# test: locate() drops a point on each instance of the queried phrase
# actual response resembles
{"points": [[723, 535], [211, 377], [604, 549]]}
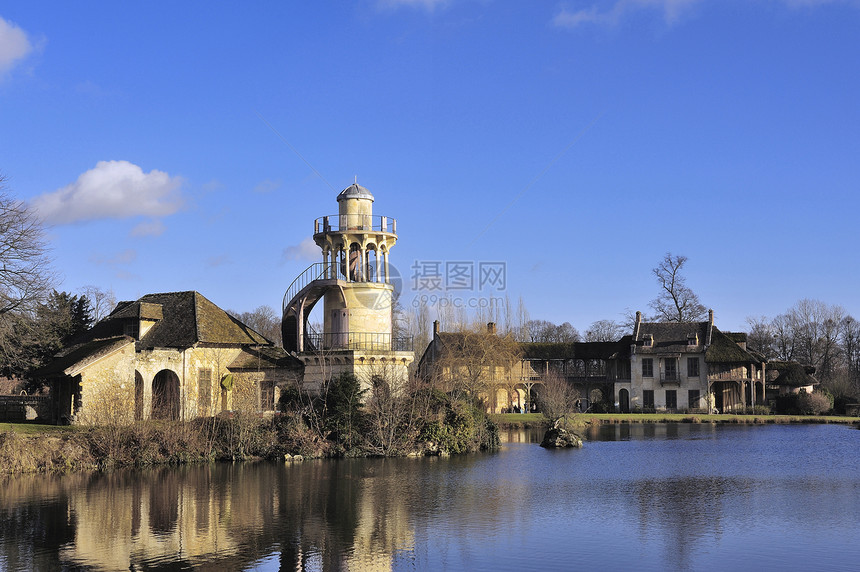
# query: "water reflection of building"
{"points": [[163, 515], [317, 515]]}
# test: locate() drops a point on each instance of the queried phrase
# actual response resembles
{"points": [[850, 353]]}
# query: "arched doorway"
{"points": [[624, 400], [165, 395], [138, 396], [502, 402]]}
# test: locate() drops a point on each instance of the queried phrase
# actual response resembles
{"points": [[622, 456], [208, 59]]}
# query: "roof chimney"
{"points": [[435, 328], [636, 325], [491, 328], [710, 325]]}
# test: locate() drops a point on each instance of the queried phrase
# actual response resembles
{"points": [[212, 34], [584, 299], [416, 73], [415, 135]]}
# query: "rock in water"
{"points": [[559, 438]]}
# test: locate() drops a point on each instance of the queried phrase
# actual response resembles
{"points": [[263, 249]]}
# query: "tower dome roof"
{"points": [[354, 191]]}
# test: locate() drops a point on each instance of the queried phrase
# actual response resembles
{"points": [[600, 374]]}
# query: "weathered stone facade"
{"points": [[171, 356], [661, 366]]}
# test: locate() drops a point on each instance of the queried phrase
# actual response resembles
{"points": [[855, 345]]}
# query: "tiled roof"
{"points": [[264, 357], [74, 358], [190, 318], [182, 319], [578, 350], [792, 374], [137, 310], [671, 337], [724, 349]]}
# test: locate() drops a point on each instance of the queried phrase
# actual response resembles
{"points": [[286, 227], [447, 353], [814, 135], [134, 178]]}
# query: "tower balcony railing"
{"points": [[316, 271], [371, 341], [349, 222]]}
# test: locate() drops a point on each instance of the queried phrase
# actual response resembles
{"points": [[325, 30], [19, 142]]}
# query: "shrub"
{"points": [[814, 403], [461, 427], [804, 403]]}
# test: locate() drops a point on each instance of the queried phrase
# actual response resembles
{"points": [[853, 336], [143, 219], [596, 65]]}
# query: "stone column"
{"points": [[387, 276]]}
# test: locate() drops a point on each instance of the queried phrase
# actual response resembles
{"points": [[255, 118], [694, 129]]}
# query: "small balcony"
{"points": [[355, 222], [366, 341]]}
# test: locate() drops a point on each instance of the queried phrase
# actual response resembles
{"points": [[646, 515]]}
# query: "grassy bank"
{"points": [[25, 448], [519, 420], [34, 429], [535, 419]]}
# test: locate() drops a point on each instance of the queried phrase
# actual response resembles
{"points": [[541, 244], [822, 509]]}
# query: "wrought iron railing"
{"points": [[316, 271], [358, 341], [347, 222]]}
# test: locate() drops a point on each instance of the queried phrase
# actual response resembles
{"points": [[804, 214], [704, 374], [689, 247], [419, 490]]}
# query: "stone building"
{"points": [[358, 293], [169, 356], [478, 363], [661, 366], [692, 367]]}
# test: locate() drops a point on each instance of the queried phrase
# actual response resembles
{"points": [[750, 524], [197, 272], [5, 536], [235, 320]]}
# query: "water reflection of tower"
{"points": [[356, 283]]}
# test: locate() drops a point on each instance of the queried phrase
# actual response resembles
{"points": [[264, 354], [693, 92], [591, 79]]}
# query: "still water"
{"points": [[653, 497]]}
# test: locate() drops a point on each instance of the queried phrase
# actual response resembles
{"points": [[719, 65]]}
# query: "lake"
{"points": [[644, 497]]}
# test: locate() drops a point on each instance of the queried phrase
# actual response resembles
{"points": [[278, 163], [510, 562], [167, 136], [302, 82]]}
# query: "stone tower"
{"points": [[356, 287]]}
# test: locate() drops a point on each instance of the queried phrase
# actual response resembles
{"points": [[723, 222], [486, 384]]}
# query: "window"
{"points": [[693, 400], [692, 339], [671, 368], [647, 367], [204, 392], [131, 328], [692, 367], [671, 399], [648, 340], [267, 395], [648, 399]]}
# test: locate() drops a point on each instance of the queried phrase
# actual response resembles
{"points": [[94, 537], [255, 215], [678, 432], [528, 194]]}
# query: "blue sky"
{"points": [[175, 146]]}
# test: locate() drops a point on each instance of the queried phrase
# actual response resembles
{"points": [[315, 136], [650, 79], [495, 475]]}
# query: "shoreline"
{"points": [[32, 448], [528, 420]]}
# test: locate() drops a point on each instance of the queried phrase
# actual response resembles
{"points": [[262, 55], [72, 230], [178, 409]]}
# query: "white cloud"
{"points": [[148, 228], [813, 3], [267, 186], [567, 19], [428, 5], [125, 257], [216, 261], [113, 189], [212, 186], [671, 10], [14, 45], [305, 250]]}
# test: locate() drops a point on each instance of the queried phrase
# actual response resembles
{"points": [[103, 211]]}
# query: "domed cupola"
{"points": [[354, 191]]}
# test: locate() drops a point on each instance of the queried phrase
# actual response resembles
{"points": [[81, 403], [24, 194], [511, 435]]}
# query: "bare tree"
{"points": [[472, 362], [264, 321], [557, 399], [394, 412], [761, 337], [851, 347], [784, 337], [604, 331], [813, 329], [547, 332], [102, 302], [676, 302], [25, 274]]}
